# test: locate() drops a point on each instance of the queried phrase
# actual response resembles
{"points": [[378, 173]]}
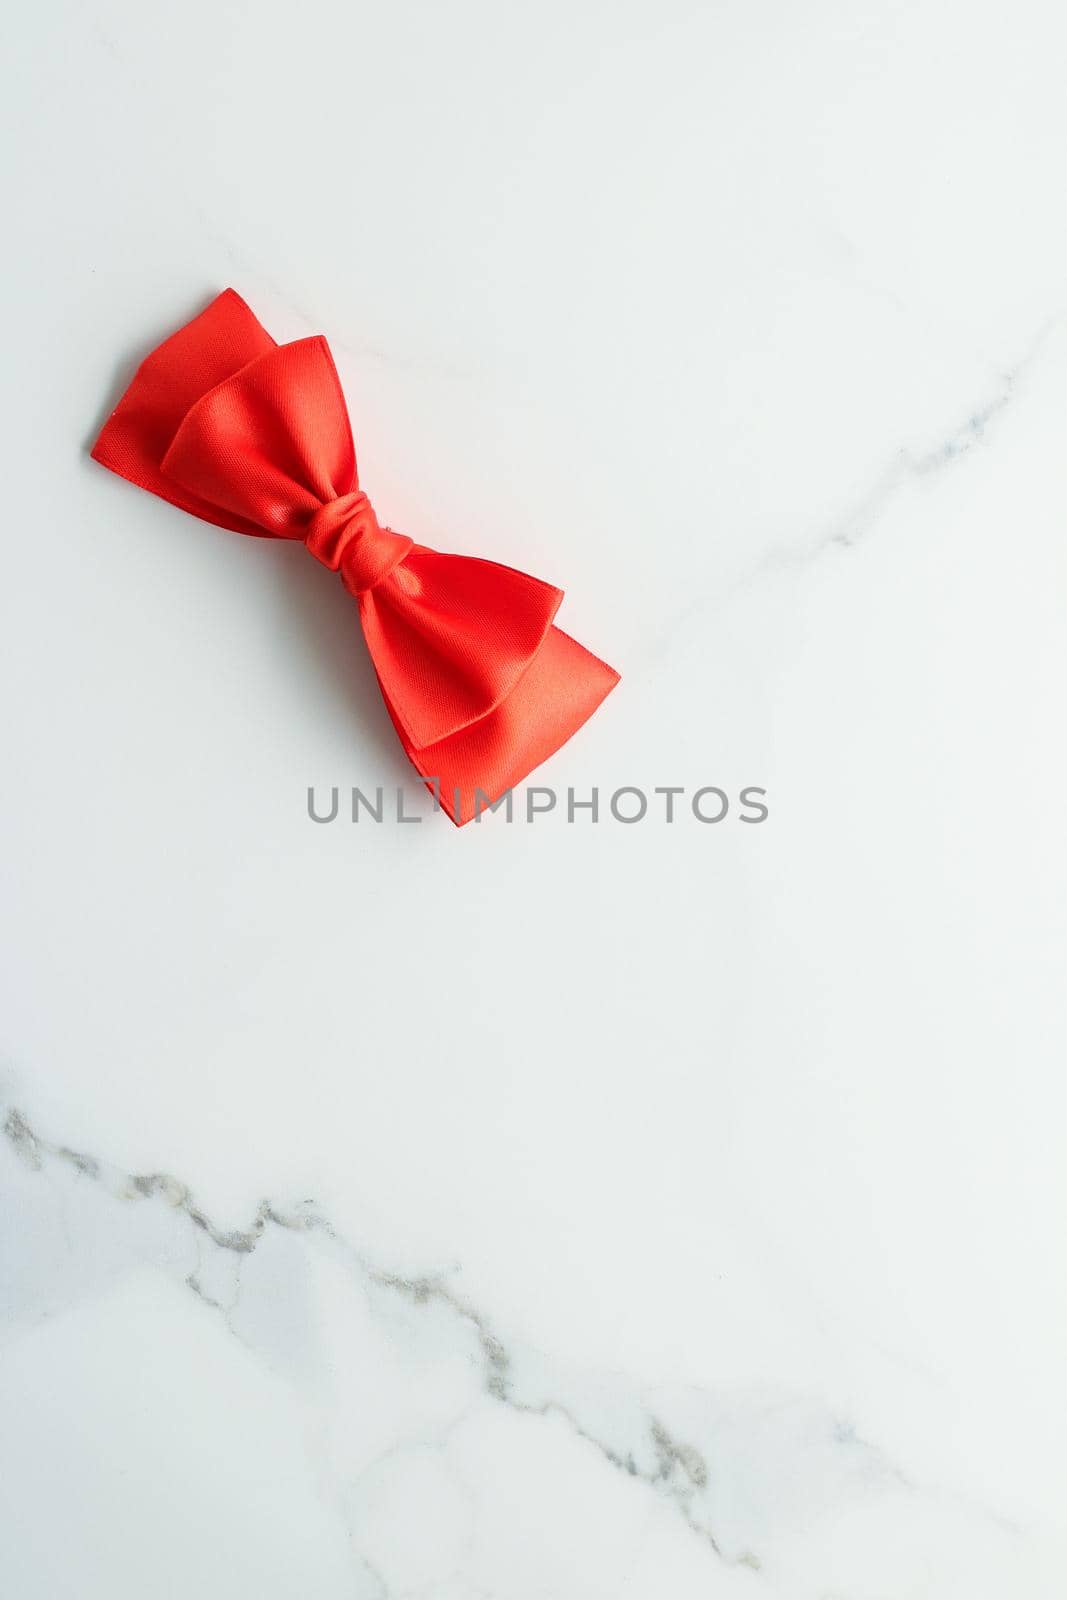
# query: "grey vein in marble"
{"points": [[851, 525], [650, 1450], [683, 1458]]}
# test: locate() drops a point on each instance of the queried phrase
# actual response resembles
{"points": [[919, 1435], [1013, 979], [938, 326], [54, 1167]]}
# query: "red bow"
{"points": [[255, 436]]}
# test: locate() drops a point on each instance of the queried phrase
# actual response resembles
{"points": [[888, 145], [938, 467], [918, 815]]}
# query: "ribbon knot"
{"points": [[479, 682], [346, 536]]}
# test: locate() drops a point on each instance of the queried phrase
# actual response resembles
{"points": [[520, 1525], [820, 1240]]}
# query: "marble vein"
{"points": [[848, 527], [643, 1445], [959, 439]]}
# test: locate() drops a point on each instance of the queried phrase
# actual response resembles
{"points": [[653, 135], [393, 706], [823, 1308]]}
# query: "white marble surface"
{"points": [[545, 1212]]}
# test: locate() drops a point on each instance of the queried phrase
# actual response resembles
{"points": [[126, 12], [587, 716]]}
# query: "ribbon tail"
{"points": [[133, 442], [559, 691]]}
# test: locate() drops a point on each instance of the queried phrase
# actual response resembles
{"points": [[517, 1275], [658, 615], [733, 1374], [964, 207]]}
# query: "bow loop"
{"points": [[450, 637], [272, 443]]}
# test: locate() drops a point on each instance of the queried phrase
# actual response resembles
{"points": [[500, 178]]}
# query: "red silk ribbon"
{"points": [[254, 436]]}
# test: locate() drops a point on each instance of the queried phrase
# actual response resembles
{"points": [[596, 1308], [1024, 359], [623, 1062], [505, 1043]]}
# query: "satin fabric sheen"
{"points": [[254, 436]]}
